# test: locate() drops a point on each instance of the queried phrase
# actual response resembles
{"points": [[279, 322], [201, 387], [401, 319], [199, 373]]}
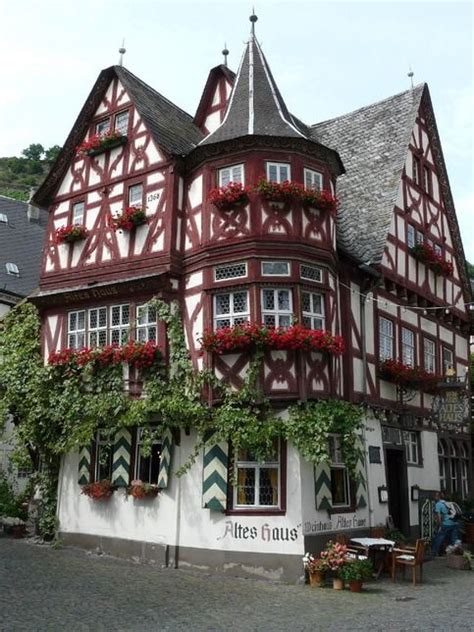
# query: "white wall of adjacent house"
{"points": [[425, 476]]}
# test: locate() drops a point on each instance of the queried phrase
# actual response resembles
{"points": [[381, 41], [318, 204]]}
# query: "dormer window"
{"points": [[313, 180], [121, 123], [235, 173], [278, 171], [102, 126], [12, 269], [3, 218], [78, 213]]}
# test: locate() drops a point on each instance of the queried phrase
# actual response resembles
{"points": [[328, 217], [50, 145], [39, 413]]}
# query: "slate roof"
{"points": [[373, 144], [21, 242], [256, 106]]}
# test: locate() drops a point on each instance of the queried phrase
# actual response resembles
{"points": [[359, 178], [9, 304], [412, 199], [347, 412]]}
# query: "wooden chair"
{"points": [[411, 557]]}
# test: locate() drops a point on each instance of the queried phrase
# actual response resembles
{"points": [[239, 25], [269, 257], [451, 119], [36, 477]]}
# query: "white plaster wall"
{"points": [[376, 472], [426, 477]]}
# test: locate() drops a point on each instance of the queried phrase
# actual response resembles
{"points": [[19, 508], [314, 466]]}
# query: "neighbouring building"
{"points": [[386, 271], [22, 229]]}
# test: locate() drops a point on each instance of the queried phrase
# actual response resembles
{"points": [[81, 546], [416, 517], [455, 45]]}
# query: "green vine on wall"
{"points": [[57, 408]]}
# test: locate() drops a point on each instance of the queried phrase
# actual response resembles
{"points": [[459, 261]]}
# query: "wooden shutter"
{"points": [[360, 478], [84, 465], [214, 480], [121, 458], [322, 486], [165, 459]]}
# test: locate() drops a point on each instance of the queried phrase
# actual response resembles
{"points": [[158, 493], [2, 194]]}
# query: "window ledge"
{"points": [[100, 150], [255, 512]]}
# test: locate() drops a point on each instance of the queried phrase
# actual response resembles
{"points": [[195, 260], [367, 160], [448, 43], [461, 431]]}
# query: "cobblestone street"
{"points": [[66, 589]]}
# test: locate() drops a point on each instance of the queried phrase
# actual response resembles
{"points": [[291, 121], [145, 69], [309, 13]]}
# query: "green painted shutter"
{"points": [[322, 486], [84, 465], [121, 458], [360, 478], [165, 460], [214, 482]]}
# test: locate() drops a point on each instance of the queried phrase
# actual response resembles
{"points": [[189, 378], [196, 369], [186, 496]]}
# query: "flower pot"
{"points": [[355, 585], [316, 579], [458, 562], [338, 583], [18, 531]]}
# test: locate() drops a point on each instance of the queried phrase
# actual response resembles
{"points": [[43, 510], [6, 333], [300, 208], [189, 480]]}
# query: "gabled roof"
{"points": [[171, 127], [206, 98], [21, 243], [373, 143], [255, 106]]}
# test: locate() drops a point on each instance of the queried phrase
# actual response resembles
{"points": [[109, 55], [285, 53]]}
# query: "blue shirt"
{"points": [[442, 511]]}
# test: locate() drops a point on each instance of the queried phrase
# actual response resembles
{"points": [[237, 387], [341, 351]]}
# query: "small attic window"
{"points": [[12, 268], [3, 218]]}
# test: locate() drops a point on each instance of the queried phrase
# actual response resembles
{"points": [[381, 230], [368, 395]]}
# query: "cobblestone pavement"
{"points": [[66, 589]]}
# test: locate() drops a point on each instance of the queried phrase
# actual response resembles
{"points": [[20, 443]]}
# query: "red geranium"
{"points": [[140, 490], [227, 197], [100, 490], [98, 141], [427, 254], [131, 217], [139, 355], [288, 191], [408, 376], [70, 233]]}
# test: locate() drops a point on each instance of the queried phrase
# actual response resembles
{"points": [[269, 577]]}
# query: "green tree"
{"points": [[470, 270], [52, 153], [34, 151]]}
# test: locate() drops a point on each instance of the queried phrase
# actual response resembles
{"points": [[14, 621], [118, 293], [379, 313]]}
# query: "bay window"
{"points": [[234, 173], [278, 171], [231, 308], [313, 310], [146, 323]]}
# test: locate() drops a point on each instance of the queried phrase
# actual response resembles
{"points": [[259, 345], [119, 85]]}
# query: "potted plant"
{"points": [[70, 234], [140, 490], [316, 568], [97, 143], [130, 218], [279, 193], [355, 572], [100, 490], [322, 200], [14, 526], [407, 376], [229, 196], [425, 253], [457, 557], [335, 555]]}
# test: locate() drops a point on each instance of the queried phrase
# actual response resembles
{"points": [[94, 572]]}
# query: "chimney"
{"points": [[33, 211]]}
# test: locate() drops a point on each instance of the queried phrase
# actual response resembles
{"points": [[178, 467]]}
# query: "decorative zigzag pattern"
{"points": [[361, 491], [214, 482], [121, 459], [84, 465], [322, 486], [165, 460]]}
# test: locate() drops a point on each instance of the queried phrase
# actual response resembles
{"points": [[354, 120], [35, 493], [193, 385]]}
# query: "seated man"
{"points": [[447, 526]]}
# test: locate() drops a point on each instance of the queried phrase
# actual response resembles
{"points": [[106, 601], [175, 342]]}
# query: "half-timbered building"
{"points": [[355, 272]]}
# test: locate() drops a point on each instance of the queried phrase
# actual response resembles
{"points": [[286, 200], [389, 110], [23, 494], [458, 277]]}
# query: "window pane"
{"points": [[224, 177], [284, 173], [246, 486], [268, 486], [222, 303], [272, 173], [121, 122], [237, 173], [283, 299], [240, 302], [268, 299], [339, 486], [135, 195], [103, 126], [78, 213]]}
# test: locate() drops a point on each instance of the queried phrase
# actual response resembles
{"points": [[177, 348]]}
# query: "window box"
{"points": [[230, 196], [99, 143], [140, 490], [250, 337], [427, 254], [408, 377], [70, 234], [281, 193], [131, 218], [139, 355], [100, 490], [322, 200]]}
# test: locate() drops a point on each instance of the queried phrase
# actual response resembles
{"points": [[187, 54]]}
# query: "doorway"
{"points": [[397, 489]]}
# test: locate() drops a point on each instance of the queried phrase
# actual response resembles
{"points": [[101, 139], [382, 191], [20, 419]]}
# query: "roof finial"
{"points": [[253, 18], [122, 51], [225, 52], [410, 74]]}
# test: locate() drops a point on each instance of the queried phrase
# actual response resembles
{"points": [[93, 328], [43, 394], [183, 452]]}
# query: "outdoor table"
{"points": [[373, 545]]}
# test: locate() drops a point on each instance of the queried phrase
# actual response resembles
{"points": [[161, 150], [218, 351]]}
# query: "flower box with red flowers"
{"points": [[70, 234], [132, 217], [322, 200], [229, 196], [140, 490], [252, 336], [98, 143], [100, 490], [139, 355], [425, 253], [280, 192], [407, 376]]}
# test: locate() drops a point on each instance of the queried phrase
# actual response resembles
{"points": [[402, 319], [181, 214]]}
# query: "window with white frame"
{"points": [[442, 465], [411, 236], [78, 213], [76, 330], [340, 484], [408, 347], [412, 447], [448, 360], [121, 123], [135, 195], [429, 355], [278, 171], [258, 483], [119, 324], [230, 271], [103, 126], [147, 457], [313, 179], [103, 456], [234, 173], [311, 273], [146, 323], [277, 309], [231, 308], [313, 310], [97, 331], [275, 268], [386, 338]]}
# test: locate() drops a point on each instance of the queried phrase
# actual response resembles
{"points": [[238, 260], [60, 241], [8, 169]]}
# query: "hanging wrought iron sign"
{"points": [[451, 404]]}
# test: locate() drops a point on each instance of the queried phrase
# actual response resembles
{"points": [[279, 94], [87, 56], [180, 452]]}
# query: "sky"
{"points": [[328, 58]]}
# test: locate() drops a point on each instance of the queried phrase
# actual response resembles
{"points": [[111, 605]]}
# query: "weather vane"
{"points": [[122, 50]]}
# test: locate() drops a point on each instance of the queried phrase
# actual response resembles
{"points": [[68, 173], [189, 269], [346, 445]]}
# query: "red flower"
{"points": [[408, 376], [98, 141], [70, 233], [289, 191], [427, 254], [227, 197], [99, 490], [131, 217], [140, 355]]}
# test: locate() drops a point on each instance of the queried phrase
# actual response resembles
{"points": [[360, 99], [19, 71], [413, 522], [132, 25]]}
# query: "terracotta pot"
{"points": [[355, 585], [316, 579], [458, 562], [338, 583]]}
